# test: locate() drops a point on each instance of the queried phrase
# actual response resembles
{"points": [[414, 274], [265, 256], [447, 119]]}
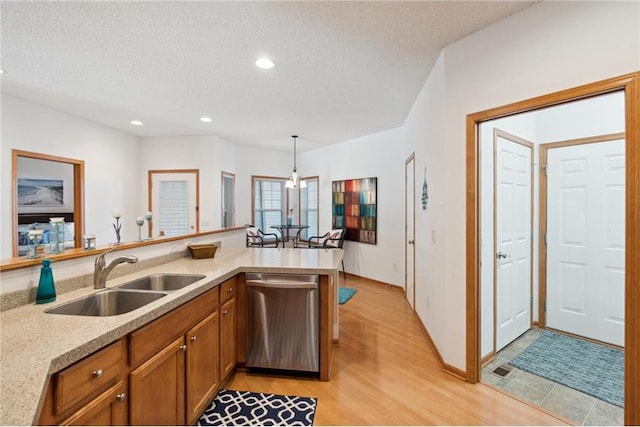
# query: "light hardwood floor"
{"points": [[385, 373]]}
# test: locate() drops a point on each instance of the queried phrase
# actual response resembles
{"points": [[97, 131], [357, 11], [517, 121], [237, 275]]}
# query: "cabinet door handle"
{"points": [[224, 312], [229, 289], [194, 338], [183, 347], [97, 374], [121, 397]]}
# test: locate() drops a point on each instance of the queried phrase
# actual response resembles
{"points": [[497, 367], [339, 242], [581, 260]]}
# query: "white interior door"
{"points": [[410, 271], [174, 203], [228, 199], [513, 237], [585, 240]]}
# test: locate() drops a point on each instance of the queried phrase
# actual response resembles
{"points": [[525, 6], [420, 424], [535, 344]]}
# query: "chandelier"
{"points": [[293, 181]]}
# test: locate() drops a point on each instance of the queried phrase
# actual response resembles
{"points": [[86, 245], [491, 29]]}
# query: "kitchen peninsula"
{"points": [[36, 345]]}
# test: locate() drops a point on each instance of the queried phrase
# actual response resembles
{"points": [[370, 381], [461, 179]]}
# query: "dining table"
{"points": [[284, 232]]}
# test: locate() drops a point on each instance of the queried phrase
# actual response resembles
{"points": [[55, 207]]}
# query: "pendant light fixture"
{"points": [[293, 181]]}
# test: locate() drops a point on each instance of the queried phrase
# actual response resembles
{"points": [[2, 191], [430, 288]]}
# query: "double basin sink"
{"points": [[126, 297]]}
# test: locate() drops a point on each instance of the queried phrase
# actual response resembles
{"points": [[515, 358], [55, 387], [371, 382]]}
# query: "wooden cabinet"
{"points": [[202, 376], [171, 377], [87, 391], [165, 373], [108, 409], [228, 289], [227, 338], [157, 388], [88, 377], [153, 337]]}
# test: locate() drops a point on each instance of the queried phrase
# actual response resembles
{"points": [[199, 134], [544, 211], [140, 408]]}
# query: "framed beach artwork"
{"points": [[36, 192], [354, 206]]}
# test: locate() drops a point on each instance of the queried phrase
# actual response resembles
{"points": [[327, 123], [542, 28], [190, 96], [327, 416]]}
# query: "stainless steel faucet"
{"points": [[101, 270]]}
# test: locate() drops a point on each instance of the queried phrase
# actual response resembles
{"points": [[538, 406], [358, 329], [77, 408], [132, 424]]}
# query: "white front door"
{"points": [[174, 202], [410, 271], [513, 236], [585, 240]]}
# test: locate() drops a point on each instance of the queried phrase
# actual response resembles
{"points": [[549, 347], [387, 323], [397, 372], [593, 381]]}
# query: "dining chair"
{"points": [[332, 239], [258, 238]]}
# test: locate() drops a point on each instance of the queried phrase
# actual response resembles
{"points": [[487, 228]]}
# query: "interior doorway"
{"points": [[582, 223], [228, 199], [513, 236], [174, 201], [409, 220], [630, 85]]}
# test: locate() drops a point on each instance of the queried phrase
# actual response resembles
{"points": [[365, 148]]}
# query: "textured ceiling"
{"points": [[343, 69]]}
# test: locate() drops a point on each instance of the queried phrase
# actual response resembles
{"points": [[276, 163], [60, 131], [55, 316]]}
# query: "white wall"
{"points": [[212, 155], [112, 162], [424, 134], [209, 154], [601, 115], [380, 155], [255, 161], [547, 47]]}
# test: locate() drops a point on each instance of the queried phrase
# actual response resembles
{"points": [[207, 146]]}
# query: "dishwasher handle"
{"points": [[282, 284]]}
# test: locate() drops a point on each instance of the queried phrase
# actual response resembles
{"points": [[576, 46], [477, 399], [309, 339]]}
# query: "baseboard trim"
{"points": [[487, 359], [400, 288], [449, 369]]}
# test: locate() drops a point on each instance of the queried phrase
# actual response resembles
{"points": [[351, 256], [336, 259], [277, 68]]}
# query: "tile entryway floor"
{"points": [[568, 403]]}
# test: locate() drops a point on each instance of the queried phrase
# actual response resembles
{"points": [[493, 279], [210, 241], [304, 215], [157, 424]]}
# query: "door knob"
{"points": [[501, 255]]}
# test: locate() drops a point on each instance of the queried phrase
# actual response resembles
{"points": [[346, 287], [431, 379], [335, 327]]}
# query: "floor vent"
{"points": [[502, 370]]}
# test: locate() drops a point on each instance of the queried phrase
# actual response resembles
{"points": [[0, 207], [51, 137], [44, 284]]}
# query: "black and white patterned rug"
{"points": [[231, 407]]}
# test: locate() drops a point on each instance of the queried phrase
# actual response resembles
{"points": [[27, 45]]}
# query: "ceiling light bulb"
{"points": [[265, 63], [206, 119], [136, 122]]}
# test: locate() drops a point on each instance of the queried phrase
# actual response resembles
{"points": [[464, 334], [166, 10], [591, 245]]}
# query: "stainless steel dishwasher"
{"points": [[283, 321]]}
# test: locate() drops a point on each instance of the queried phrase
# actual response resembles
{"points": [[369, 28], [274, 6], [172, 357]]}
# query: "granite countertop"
{"points": [[34, 344]]}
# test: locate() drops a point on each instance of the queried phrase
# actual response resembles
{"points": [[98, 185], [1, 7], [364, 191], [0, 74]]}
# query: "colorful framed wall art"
{"points": [[354, 206]]}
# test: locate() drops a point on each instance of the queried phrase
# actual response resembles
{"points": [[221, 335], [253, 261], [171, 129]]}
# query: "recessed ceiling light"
{"points": [[206, 119], [136, 122], [1, 71], [265, 63]]}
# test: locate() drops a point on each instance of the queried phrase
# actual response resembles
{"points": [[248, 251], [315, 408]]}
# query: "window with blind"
{"points": [[174, 207], [309, 208], [269, 202]]}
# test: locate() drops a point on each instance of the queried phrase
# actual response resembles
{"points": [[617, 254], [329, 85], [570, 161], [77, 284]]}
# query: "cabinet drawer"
{"points": [[228, 289], [108, 409], [151, 338], [88, 377]]}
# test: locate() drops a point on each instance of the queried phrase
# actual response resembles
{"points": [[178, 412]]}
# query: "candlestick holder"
{"points": [[148, 217], [117, 214], [139, 223]]}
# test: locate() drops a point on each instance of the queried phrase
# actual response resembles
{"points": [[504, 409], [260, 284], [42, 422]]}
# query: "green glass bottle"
{"points": [[46, 288]]}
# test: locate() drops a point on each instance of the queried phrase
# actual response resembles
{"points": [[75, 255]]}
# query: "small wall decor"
{"points": [[425, 191], [355, 207]]}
